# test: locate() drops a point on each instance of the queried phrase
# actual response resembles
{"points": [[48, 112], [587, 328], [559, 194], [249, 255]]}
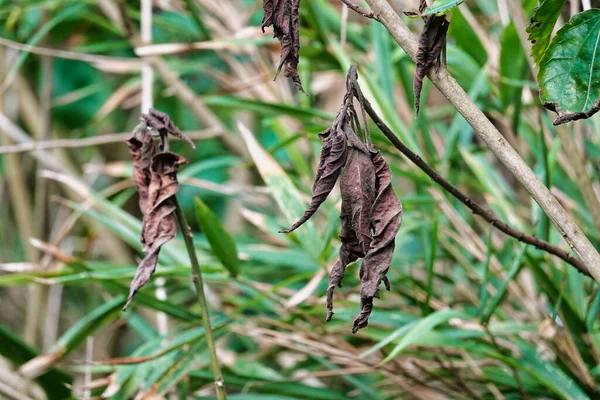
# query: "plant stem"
{"points": [[199, 285]]}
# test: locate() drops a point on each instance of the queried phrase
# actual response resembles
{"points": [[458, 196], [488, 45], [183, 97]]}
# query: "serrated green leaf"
{"points": [[221, 243], [441, 6], [542, 23], [570, 69]]}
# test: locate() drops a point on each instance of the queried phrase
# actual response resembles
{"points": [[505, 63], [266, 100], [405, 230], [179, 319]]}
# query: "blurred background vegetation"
{"points": [[471, 314]]}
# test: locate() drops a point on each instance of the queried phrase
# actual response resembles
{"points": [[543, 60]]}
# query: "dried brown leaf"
{"points": [[159, 220], [333, 157], [357, 185], [141, 146], [161, 122], [431, 52], [386, 217], [371, 213], [283, 16]]}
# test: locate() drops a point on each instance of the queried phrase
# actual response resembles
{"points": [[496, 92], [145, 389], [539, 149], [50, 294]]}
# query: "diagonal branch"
{"points": [[456, 95], [477, 209]]}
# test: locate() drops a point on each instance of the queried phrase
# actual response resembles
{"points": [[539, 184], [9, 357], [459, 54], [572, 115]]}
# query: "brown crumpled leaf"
{"points": [[141, 147], [386, 217], [431, 52], [283, 16], [155, 176], [161, 122], [371, 213]]}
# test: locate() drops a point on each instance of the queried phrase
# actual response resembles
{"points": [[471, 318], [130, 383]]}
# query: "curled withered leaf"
{"points": [[357, 186], [333, 157], [371, 213], [161, 122], [431, 52], [155, 176], [159, 224], [283, 16], [386, 217], [141, 147]]}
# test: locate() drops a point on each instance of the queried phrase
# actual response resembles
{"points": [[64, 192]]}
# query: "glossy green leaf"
{"points": [[441, 6], [221, 243], [542, 23], [570, 69]]}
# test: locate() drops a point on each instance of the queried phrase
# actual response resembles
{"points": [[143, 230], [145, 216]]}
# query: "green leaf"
{"points": [[441, 6], [550, 376], [513, 67], [284, 192], [221, 242], [542, 23], [569, 73], [511, 274], [73, 337], [423, 327]]}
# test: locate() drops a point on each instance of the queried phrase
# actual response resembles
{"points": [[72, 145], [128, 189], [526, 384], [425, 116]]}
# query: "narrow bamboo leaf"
{"points": [[550, 376], [221, 243], [73, 337], [284, 192], [542, 23], [513, 67], [512, 273], [423, 327], [441, 6], [569, 75]]}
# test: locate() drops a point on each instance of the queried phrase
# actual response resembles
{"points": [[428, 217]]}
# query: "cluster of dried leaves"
{"points": [[432, 48], [283, 16], [155, 177], [371, 213]]}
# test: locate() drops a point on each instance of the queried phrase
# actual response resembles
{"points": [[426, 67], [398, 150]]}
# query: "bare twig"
{"points": [[360, 10], [94, 141], [72, 55], [484, 128]]}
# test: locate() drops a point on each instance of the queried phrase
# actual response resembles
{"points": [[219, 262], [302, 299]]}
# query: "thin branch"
{"points": [[71, 55], [360, 10], [93, 141], [477, 209], [484, 128], [199, 285]]}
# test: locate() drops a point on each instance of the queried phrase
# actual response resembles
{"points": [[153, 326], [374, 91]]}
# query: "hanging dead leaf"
{"points": [[283, 16], [141, 147], [385, 218], [431, 53], [371, 213], [159, 224], [333, 157]]}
